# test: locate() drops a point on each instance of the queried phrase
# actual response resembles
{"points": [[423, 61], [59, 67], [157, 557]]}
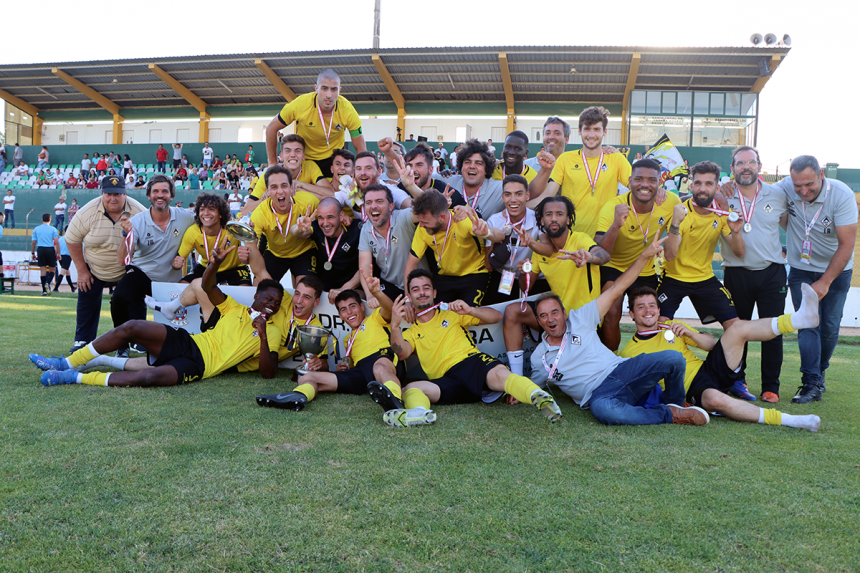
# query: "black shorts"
{"points": [[466, 381], [608, 274], [237, 276], [65, 262], [213, 320], [356, 379], [46, 257], [710, 298], [714, 373], [176, 163], [325, 165], [468, 288], [181, 352], [304, 264]]}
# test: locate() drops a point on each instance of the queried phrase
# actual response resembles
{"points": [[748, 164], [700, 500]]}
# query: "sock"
{"points": [[415, 398], [307, 390], [394, 388], [42, 278], [109, 361], [82, 356], [168, 309], [806, 316], [94, 378], [809, 422], [59, 281], [69, 280], [770, 417], [782, 324], [49, 278], [515, 362], [520, 388]]}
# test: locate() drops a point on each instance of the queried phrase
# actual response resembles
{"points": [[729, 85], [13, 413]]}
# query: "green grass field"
{"points": [[199, 478]]}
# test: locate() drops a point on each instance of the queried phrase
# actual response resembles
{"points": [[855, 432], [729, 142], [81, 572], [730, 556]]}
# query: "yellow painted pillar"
{"points": [[401, 122], [37, 130], [203, 135], [512, 121], [117, 128]]}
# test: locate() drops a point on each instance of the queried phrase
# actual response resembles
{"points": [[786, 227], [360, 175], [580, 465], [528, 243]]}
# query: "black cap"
{"points": [[113, 184]]}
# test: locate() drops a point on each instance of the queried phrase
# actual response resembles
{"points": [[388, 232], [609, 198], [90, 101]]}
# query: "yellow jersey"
{"points": [[699, 235], [276, 227], [192, 240], [632, 238], [575, 286], [657, 343], [570, 173], [310, 173], [372, 336], [442, 342], [233, 339], [304, 111], [461, 254], [528, 173]]}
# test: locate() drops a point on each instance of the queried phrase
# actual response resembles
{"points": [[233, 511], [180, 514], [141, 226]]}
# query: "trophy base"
{"points": [[302, 371]]}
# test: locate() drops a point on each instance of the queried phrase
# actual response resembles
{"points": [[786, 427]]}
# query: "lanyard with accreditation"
{"points": [[806, 247]]}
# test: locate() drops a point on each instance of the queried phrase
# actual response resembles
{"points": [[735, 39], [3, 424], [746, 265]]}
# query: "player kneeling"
{"points": [[177, 357]]}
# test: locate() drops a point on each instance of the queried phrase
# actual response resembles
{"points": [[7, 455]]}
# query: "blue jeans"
{"points": [[42, 163], [59, 222], [161, 165], [817, 344], [614, 401], [10, 218]]}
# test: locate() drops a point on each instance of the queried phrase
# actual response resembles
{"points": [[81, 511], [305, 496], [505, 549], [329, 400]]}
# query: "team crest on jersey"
{"points": [[716, 224], [255, 334], [575, 339], [345, 247], [393, 240], [826, 222], [768, 208], [444, 324], [338, 127], [604, 167], [662, 297], [661, 221], [175, 232]]}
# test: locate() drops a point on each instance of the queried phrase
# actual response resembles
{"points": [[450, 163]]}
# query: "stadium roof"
{"points": [[399, 76]]}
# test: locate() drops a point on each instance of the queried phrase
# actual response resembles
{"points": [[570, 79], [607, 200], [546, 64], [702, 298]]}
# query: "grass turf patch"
{"points": [[199, 478]]}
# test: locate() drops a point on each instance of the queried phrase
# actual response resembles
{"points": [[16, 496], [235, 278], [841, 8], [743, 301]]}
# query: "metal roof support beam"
{"points": [[762, 80], [90, 93], [183, 91], [275, 80], [625, 103], [37, 130], [393, 91], [19, 103], [509, 91]]}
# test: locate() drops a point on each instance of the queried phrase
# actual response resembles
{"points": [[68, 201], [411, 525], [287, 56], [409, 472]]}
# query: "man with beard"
{"points": [[571, 271], [695, 227], [149, 251], [419, 160], [706, 382], [337, 245], [458, 372], [588, 177], [367, 174], [626, 227], [322, 118], [476, 185]]}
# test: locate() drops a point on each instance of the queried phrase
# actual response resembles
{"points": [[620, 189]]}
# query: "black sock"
{"points": [[59, 281], [49, 279], [43, 277], [69, 280]]}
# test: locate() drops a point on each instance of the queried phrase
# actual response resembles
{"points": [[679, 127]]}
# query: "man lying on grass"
{"points": [[177, 357], [707, 382]]}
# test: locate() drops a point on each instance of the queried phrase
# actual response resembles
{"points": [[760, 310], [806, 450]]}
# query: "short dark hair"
{"points": [[548, 296], [46, 217], [704, 167], [520, 134], [211, 200], [515, 179], [592, 115], [804, 162], [293, 138], [638, 293], [267, 284], [364, 154], [556, 119], [380, 187], [746, 148], [275, 169], [571, 211], [161, 178], [346, 295], [421, 148], [432, 202], [345, 153], [472, 147], [647, 164], [418, 273], [312, 282]]}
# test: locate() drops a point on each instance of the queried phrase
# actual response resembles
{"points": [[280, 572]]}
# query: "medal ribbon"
{"points": [[206, 245], [549, 370], [431, 309], [817, 213], [650, 332], [129, 243], [322, 123], [445, 242], [331, 252], [593, 182], [474, 202], [351, 340], [650, 218], [526, 292], [713, 209], [748, 215], [278, 221]]}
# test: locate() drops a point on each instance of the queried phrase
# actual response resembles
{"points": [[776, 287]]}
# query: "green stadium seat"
{"points": [[150, 166]]}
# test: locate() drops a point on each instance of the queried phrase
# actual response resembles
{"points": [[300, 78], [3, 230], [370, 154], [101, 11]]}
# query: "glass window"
{"points": [[685, 102], [13, 114], [717, 103], [646, 130], [748, 105], [702, 102], [668, 102], [653, 104], [733, 104], [26, 119], [637, 102]]}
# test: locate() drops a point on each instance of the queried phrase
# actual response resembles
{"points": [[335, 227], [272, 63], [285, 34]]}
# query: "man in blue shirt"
{"points": [[46, 240], [63, 267]]}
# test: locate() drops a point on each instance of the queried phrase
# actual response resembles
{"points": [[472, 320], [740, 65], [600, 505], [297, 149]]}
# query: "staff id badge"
{"points": [[806, 252], [507, 282]]}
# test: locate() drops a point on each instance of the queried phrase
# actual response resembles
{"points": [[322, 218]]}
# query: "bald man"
{"points": [[336, 236]]}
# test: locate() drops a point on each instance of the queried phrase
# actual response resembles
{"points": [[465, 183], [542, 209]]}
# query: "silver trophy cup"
{"points": [[241, 229], [312, 340]]}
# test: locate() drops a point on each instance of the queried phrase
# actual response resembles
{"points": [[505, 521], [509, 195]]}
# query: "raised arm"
{"points": [[539, 183], [673, 242], [398, 344], [550, 191], [210, 280], [628, 277]]}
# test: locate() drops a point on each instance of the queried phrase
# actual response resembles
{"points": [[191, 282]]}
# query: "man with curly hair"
{"points": [[475, 183]]}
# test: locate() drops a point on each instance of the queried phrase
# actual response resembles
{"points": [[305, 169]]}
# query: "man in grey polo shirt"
{"points": [[475, 184], [556, 134], [385, 242], [822, 228], [758, 278], [149, 251]]}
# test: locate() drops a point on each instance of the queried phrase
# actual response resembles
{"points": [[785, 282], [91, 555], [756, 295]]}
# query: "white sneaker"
{"points": [[544, 402], [403, 418]]}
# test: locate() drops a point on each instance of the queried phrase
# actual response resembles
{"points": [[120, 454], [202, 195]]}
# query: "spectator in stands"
{"points": [[9, 207], [250, 155], [140, 183], [234, 200], [181, 173], [17, 157], [86, 164], [236, 161], [43, 157], [127, 166], [193, 179], [207, 155], [22, 171], [161, 158], [491, 148], [411, 137], [73, 210], [71, 183], [184, 161], [2, 158], [60, 215], [92, 182], [203, 172], [217, 164], [101, 164], [222, 181], [129, 181], [42, 179], [177, 154], [637, 158]]}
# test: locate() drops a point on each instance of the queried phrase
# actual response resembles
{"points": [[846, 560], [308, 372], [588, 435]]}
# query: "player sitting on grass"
{"points": [[368, 366], [176, 356], [458, 372], [707, 382]]}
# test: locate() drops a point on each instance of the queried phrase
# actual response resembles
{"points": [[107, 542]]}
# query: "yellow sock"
{"points": [[784, 324], [413, 397], [520, 388], [82, 356], [394, 388], [773, 417], [307, 390], [94, 378]]}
